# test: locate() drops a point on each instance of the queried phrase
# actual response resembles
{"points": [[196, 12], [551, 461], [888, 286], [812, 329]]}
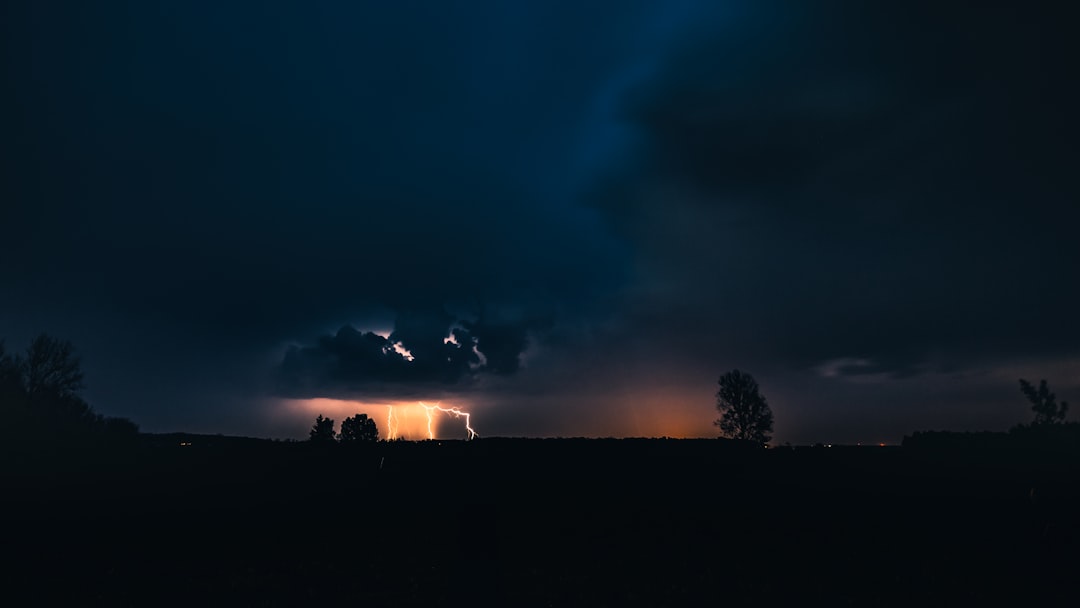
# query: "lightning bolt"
{"points": [[391, 423], [455, 411], [393, 420]]}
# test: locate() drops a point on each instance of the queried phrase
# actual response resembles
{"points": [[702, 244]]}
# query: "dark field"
{"points": [[538, 522]]}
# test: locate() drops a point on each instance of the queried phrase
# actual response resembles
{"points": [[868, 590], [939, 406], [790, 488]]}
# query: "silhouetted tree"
{"points": [[745, 413], [50, 368], [39, 395], [359, 428], [323, 430], [1044, 403]]}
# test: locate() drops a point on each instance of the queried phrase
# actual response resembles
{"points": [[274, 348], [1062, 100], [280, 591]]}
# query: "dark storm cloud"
{"points": [[851, 181], [501, 344], [427, 350], [350, 361]]}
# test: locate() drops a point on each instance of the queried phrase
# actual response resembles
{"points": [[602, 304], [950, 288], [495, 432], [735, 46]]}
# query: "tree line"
{"points": [[354, 430], [40, 401], [745, 413]]}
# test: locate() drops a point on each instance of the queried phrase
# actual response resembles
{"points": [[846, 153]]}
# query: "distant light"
{"points": [[828, 445], [881, 445]]}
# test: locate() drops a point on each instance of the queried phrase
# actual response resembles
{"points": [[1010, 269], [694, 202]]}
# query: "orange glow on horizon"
{"points": [[652, 414], [659, 413]]}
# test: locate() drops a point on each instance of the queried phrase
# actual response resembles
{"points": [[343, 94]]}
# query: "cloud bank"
{"points": [[428, 350]]}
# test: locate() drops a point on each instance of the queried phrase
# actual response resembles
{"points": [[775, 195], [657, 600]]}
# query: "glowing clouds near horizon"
{"points": [[411, 420]]}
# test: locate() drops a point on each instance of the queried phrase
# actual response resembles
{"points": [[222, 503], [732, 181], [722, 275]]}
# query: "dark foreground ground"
{"points": [[538, 523]]}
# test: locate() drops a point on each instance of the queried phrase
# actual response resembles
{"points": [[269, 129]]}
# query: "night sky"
{"points": [[571, 218]]}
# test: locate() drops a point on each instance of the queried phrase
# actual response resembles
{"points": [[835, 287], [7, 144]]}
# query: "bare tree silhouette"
{"points": [[50, 368], [39, 396]]}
